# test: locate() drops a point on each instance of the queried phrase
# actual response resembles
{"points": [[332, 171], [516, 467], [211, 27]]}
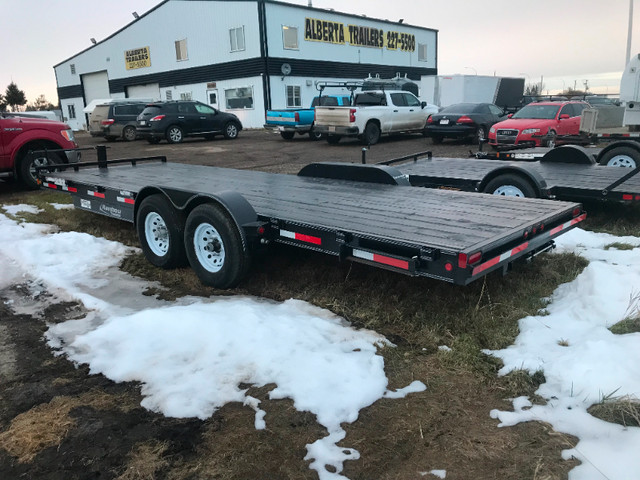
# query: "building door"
{"points": [[148, 91], [212, 97]]}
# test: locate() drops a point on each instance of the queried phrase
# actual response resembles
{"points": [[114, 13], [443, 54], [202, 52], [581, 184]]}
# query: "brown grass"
{"points": [[145, 461]]}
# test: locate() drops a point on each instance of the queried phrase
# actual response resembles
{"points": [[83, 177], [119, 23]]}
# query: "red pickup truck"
{"points": [[20, 136]]}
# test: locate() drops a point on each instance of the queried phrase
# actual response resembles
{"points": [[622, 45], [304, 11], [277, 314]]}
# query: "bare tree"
{"points": [[40, 103]]}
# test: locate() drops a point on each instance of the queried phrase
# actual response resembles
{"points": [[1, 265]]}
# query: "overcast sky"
{"points": [[565, 42]]}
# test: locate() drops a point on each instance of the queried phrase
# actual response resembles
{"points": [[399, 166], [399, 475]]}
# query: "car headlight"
{"points": [[529, 131], [68, 134], [492, 130]]}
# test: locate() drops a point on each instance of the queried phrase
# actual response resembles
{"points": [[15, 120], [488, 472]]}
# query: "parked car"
{"points": [[28, 142], [538, 124], [115, 120], [463, 120], [599, 101], [178, 119]]}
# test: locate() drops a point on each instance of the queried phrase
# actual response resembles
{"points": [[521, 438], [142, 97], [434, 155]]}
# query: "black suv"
{"points": [[178, 119]]}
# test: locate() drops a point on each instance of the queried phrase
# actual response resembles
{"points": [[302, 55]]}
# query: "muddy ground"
{"points": [[59, 422]]}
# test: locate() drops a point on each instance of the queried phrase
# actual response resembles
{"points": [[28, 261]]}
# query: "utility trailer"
{"points": [[217, 218], [567, 172]]}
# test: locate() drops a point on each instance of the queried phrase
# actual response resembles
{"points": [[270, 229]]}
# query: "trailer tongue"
{"points": [[217, 218]]}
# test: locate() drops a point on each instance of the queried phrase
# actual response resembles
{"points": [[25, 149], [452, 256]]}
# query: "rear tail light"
{"points": [[157, 118], [429, 120], [577, 211], [352, 115], [107, 122], [464, 119], [464, 259], [297, 117]]}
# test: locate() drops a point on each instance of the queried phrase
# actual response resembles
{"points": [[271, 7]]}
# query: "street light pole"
{"points": [[628, 57]]}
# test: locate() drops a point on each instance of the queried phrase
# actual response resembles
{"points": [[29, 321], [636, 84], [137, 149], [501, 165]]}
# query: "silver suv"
{"points": [[116, 120]]}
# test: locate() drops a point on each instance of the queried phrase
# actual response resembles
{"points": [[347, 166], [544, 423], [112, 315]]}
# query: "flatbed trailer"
{"points": [[217, 218], [564, 172]]}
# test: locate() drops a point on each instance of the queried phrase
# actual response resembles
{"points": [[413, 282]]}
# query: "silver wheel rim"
{"points": [[175, 135], [157, 234], [209, 247], [232, 131], [621, 161], [480, 134], [129, 134], [39, 162], [508, 191]]}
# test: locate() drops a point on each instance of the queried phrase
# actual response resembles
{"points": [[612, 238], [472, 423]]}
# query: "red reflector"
{"points": [[72, 189], [576, 211], [308, 239], [393, 262], [50, 185], [130, 201], [626, 196], [98, 194], [261, 230], [448, 266], [462, 260]]}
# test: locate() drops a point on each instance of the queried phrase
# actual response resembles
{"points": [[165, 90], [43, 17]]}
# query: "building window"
{"points": [[181, 50], [239, 97], [185, 95], [72, 111], [422, 52], [290, 37], [236, 36], [73, 68], [169, 95], [293, 96]]}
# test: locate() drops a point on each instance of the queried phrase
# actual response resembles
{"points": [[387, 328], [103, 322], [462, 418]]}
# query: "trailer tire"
{"points": [[621, 157], [214, 247], [510, 185], [27, 164], [174, 134], [287, 135], [159, 227], [333, 139], [371, 134]]}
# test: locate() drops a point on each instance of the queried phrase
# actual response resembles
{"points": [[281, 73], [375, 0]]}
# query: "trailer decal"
{"points": [[374, 257], [93, 193], [301, 236], [496, 260]]}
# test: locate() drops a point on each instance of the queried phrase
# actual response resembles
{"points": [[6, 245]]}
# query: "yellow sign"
{"points": [[137, 58], [316, 30]]}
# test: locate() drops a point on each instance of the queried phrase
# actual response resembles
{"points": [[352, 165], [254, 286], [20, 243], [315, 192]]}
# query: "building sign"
{"points": [[137, 58], [326, 31]]}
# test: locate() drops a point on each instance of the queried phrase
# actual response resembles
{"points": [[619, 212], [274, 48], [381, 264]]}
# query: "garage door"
{"points": [[96, 86], [149, 90]]}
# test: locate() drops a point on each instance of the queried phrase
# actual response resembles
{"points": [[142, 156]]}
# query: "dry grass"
{"points": [[46, 425], [623, 410], [145, 461]]}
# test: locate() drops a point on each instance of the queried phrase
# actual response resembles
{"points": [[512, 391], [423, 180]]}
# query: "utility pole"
{"points": [[628, 57]]}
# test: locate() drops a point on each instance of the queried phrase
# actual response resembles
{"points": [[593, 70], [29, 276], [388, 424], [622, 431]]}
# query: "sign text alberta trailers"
{"points": [[137, 58], [316, 30]]}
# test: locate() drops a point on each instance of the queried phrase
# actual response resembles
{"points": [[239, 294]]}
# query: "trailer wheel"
{"points": [[129, 133], [214, 247], [28, 163], [287, 135], [371, 134], [231, 131], [159, 228], [333, 139], [510, 185], [621, 157], [174, 134]]}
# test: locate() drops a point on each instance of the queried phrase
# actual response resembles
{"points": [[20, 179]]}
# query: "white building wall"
{"points": [[80, 120], [289, 15]]}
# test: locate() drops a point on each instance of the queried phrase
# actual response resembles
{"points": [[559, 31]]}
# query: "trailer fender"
{"points": [[530, 176], [569, 154], [355, 172], [625, 153], [235, 205]]}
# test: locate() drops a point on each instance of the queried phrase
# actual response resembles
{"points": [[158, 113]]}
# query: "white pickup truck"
{"points": [[374, 113]]}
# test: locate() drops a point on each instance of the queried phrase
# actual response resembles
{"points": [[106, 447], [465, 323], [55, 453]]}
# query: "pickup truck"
{"points": [[20, 136], [374, 113], [290, 122]]}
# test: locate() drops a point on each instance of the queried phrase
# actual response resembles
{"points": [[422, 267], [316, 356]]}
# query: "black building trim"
{"points": [[72, 91]]}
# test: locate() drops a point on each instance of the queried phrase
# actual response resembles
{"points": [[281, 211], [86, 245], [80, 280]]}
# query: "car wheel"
{"points": [[371, 134], [231, 131], [436, 139], [214, 247], [621, 157], [174, 134], [510, 185], [28, 163], [333, 139], [287, 135], [314, 135], [129, 133], [481, 135], [551, 139], [160, 231]]}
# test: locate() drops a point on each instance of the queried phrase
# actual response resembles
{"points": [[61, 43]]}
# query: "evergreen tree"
{"points": [[14, 97]]}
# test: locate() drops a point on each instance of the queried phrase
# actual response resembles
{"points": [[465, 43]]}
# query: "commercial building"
{"points": [[241, 56]]}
